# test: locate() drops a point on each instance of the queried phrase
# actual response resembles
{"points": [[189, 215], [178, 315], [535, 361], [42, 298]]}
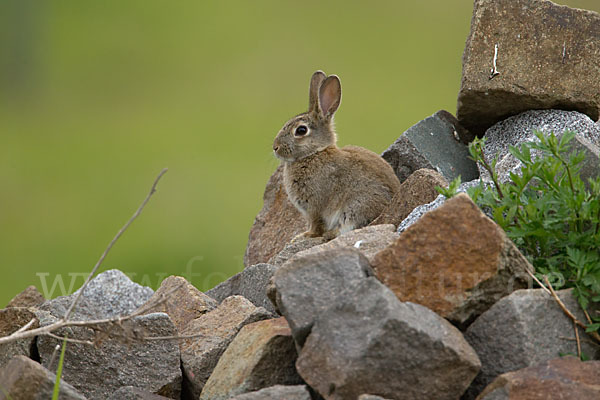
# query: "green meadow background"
{"points": [[97, 97]]}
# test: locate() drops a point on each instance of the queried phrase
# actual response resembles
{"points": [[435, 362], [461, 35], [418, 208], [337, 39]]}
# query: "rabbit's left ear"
{"points": [[330, 96], [313, 95]]}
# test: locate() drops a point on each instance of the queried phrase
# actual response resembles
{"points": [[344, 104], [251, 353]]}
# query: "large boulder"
{"points": [[251, 283], [418, 189], [521, 128], [261, 355], [546, 57], [307, 286], [30, 297], [121, 357], [25, 379], [368, 341], [215, 330], [559, 378], [275, 225], [454, 260], [432, 143], [521, 330]]}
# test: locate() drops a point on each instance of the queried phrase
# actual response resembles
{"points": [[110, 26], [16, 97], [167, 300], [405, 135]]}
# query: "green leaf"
{"points": [[59, 370], [592, 328]]}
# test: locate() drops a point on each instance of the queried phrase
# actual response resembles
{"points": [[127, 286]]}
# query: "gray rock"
{"points": [[251, 283], [521, 330], [305, 287], [520, 128], [133, 393], [218, 327], [370, 397], [11, 320], [25, 379], [419, 211], [368, 240], [370, 342], [547, 57], [296, 246], [261, 355], [432, 143], [277, 392], [119, 359]]}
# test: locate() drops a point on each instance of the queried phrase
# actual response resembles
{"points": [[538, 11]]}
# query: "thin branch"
{"points": [[577, 339], [112, 242], [537, 280], [69, 340], [26, 326]]}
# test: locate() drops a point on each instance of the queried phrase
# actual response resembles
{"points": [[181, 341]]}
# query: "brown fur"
{"points": [[337, 190]]}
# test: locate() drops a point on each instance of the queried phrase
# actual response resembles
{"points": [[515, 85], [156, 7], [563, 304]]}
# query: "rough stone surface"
{"points": [[30, 297], [133, 393], [25, 379], [97, 371], [301, 244], [11, 320], [370, 342], [432, 143], [547, 58], [419, 211], [277, 392], [218, 327], [368, 240], [521, 330], [560, 378], [275, 225], [305, 287], [183, 301], [261, 355], [454, 260], [520, 128], [251, 283], [370, 397], [416, 190]]}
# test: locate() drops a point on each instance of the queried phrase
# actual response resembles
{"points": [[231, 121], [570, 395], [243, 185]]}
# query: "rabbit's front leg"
{"points": [[316, 229]]}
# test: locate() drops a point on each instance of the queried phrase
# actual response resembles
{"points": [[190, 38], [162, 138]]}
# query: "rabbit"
{"points": [[336, 189]]}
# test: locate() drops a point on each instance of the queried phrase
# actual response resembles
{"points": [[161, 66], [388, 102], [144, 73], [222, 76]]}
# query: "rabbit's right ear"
{"points": [[330, 96], [313, 95]]}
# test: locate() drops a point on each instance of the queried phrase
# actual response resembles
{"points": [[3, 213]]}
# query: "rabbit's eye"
{"points": [[301, 130]]}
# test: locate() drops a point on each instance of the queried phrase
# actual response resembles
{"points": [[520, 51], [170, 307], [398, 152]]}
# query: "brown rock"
{"points": [[218, 327], [261, 355], [547, 58], [292, 248], [11, 320], [454, 260], [417, 190], [183, 301], [275, 225], [30, 297], [560, 378], [25, 379]]}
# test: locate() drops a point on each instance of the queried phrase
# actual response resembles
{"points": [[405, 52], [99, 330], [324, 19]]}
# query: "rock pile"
{"points": [[431, 301]]}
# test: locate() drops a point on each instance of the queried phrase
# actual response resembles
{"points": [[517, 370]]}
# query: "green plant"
{"points": [[452, 188], [59, 370], [550, 213]]}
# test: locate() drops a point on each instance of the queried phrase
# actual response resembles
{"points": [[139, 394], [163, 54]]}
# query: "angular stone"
{"points": [[416, 190], [120, 359], [183, 301], [218, 327], [277, 392], [455, 261], [298, 245], [133, 393], [560, 378], [98, 371], [30, 297], [263, 354], [547, 58], [251, 283], [521, 330], [275, 225], [370, 342], [11, 320], [305, 287], [25, 379], [368, 240], [432, 143], [518, 129]]}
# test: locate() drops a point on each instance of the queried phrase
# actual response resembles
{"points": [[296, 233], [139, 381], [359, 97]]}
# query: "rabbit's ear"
{"points": [[330, 96], [313, 96]]}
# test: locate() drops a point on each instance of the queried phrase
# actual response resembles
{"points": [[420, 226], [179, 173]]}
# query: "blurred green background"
{"points": [[97, 97]]}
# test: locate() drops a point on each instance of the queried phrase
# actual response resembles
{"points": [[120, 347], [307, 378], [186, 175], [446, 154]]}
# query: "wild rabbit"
{"points": [[336, 190]]}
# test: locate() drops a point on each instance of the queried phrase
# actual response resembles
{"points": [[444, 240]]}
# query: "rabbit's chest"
{"points": [[306, 188]]}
